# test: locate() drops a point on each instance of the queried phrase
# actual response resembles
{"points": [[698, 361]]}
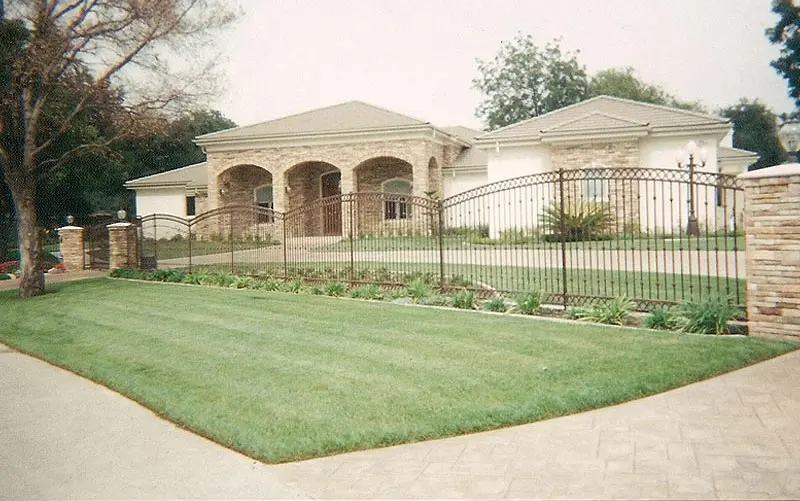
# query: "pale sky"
{"points": [[417, 57]]}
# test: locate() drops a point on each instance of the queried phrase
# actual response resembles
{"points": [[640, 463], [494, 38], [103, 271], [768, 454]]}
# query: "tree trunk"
{"points": [[30, 249]]}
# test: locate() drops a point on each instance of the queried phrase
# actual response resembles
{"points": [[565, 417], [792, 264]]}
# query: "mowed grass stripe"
{"points": [[282, 377]]}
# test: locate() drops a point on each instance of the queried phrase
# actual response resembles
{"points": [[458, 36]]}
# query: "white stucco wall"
{"points": [[664, 206], [516, 209], [462, 215], [161, 201]]}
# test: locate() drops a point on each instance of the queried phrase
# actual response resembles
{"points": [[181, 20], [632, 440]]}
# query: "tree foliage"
{"points": [[754, 129], [524, 81], [786, 33], [60, 58], [624, 83]]}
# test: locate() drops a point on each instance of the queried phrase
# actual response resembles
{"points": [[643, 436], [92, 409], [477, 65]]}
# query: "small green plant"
{"points": [[271, 285], [661, 319], [530, 303], [496, 304], [464, 300], [368, 292], [707, 315], [617, 311], [397, 294], [295, 286], [578, 222], [243, 283], [335, 289], [417, 290]]}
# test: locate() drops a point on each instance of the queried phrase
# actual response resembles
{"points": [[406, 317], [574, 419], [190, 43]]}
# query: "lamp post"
{"points": [[693, 152], [789, 137]]}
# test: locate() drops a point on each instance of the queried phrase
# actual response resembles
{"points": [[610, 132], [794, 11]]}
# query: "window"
{"points": [[396, 209], [191, 207], [595, 186], [264, 198]]}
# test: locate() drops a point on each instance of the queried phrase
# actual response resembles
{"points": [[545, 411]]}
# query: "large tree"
{"points": [[132, 49], [525, 80], [786, 33], [624, 83], [754, 129]]}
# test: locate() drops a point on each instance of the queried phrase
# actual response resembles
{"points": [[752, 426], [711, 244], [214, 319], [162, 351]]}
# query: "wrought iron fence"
{"points": [[578, 236]]}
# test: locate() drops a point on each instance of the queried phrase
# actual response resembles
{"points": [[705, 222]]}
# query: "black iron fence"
{"points": [[579, 236]]}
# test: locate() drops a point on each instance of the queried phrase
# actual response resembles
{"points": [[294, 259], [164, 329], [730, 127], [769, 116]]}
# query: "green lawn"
{"points": [[283, 377], [653, 242], [171, 249]]}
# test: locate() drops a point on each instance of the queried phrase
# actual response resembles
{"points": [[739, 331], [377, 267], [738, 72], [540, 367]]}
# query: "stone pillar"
{"points": [[71, 246], [772, 250], [122, 246]]}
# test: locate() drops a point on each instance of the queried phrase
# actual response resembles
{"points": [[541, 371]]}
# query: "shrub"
{"points": [[496, 304], [368, 292], [614, 312], [271, 285], [243, 283], [295, 286], [661, 319], [707, 315], [335, 289], [530, 303], [584, 221], [417, 290], [464, 300]]}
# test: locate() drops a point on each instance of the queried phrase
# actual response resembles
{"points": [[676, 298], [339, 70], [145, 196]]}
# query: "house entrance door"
{"points": [[332, 209]]}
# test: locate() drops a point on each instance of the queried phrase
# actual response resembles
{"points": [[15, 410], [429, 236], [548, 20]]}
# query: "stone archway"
{"points": [[313, 190], [242, 184]]}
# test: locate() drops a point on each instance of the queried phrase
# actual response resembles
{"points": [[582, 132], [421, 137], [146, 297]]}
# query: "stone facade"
{"points": [[123, 251], [623, 195], [72, 249], [295, 175], [772, 250]]}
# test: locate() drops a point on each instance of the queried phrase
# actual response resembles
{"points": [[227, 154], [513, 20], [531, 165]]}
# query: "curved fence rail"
{"points": [[657, 236]]}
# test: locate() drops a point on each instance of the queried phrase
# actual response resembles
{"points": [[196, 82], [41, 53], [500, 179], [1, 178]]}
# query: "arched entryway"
{"points": [[313, 198], [245, 185], [388, 213]]}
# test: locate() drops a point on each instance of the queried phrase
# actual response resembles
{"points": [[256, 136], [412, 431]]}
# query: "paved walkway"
{"points": [[732, 437]]}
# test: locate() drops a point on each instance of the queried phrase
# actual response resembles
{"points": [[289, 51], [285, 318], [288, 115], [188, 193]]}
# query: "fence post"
{"points": [[772, 250], [285, 246], [122, 246], [189, 230], [72, 249], [563, 231], [440, 228], [350, 238], [230, 238]]}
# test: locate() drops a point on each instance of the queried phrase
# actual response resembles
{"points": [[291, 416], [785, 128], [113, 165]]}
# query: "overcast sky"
{"points": [[417, 57]]}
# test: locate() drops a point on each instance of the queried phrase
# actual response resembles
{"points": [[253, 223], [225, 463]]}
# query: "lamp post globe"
{"points": [[789, 137]]}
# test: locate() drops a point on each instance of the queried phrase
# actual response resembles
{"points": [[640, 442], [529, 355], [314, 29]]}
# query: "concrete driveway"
{"points": [[733, 437]]}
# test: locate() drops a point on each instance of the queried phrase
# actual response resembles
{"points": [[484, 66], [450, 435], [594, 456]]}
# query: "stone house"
{"points": [[298, 162]]}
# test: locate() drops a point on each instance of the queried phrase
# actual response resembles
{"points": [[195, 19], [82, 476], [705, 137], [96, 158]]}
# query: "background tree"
{"points": [[131, 49], [786, 33], [624, 83], [524, 81], [754, 129]]}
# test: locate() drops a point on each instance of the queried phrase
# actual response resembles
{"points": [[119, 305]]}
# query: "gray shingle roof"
{"points": [[604, 111], [469, 157], [725, 153], [349, 116], [192, 176]]}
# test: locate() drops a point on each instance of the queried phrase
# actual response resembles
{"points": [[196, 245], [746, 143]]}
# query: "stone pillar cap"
{"points": [[783, 170], [68, 228], [114, 226]]}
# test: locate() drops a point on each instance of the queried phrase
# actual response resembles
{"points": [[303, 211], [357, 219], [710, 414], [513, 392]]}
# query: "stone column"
{"points": [[122, 246], [71, 246], [772, 250]]}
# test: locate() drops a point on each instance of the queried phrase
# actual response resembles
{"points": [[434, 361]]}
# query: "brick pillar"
{"points": [[122, 246], [71, 246], [772, 250]]}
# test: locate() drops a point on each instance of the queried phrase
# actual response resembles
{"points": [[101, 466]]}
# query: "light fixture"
{"points": [[121, 214], [789, 137], [692, 150], [70, 219]]}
